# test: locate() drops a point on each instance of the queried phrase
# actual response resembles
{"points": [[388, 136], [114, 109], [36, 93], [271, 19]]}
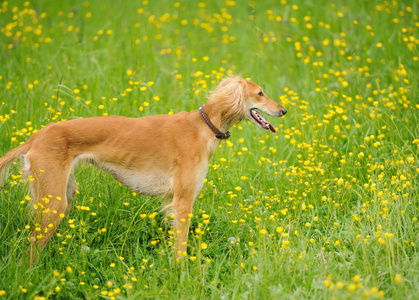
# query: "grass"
{"points": [[326, 208]]}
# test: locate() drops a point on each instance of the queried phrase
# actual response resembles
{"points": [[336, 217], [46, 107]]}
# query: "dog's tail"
{"points": [[8, 159]]}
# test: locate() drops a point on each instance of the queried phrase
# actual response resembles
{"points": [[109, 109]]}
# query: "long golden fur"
{"points": [[154, 155]]}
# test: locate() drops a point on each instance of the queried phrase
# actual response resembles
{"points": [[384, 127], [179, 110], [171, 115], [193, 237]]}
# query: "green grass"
{"points": [[326, 208]]}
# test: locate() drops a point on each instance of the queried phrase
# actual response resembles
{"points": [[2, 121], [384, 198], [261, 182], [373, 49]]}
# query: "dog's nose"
{"points": [[284, 111]]}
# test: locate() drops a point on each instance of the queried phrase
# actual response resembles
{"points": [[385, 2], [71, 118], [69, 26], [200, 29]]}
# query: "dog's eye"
{"points": [[260, 94]]}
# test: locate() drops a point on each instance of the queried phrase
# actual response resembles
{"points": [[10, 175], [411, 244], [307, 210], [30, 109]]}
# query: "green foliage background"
{"points": [[327, 207]]}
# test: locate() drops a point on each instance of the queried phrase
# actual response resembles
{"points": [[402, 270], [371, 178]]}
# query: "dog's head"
{"points": [[241, 99], [257, 101]]}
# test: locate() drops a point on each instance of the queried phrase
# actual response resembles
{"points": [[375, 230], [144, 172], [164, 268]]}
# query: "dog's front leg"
{"points": [[182, 207]]}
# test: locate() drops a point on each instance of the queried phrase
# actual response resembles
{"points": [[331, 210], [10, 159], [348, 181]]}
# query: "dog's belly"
{"points": [[150, 184], [146, 183]]}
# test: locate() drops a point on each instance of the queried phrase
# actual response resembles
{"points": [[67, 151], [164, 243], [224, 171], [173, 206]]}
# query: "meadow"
{"points": [[326, 208]]}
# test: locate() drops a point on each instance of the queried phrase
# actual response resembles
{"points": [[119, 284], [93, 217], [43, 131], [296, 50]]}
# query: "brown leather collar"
{"points": [[218, 134]]}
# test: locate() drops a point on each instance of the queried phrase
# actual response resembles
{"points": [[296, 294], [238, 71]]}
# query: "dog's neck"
{"points": [[217, 117]]}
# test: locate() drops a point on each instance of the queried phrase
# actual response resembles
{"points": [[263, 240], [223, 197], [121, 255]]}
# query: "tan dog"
{"points": [[154, 155]]}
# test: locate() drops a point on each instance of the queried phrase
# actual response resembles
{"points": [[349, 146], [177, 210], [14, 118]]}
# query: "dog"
{"points": [[153, 155]]}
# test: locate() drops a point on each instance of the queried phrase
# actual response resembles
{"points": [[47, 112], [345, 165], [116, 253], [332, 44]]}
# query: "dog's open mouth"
{"points": [[265, 124]]}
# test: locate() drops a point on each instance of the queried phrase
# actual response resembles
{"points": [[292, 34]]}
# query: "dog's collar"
{"points": [[218, 134]]}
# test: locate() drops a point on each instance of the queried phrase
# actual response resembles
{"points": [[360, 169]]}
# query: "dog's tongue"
{"points": [[271, 127], [262, 121]]}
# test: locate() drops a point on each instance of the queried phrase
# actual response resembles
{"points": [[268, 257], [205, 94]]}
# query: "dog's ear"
{"points": [[238, 109], [230, 98]]}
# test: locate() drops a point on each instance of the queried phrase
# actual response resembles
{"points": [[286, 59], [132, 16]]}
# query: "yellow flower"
{"points": [[129, 72], [398, 278], [327, 283], [388, 235], [204, 246], [263, 231], [381, 293], [153, 215]]}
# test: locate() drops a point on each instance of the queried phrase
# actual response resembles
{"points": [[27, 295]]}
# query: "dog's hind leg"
{"points": [[49, 186], [71, 191]]}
